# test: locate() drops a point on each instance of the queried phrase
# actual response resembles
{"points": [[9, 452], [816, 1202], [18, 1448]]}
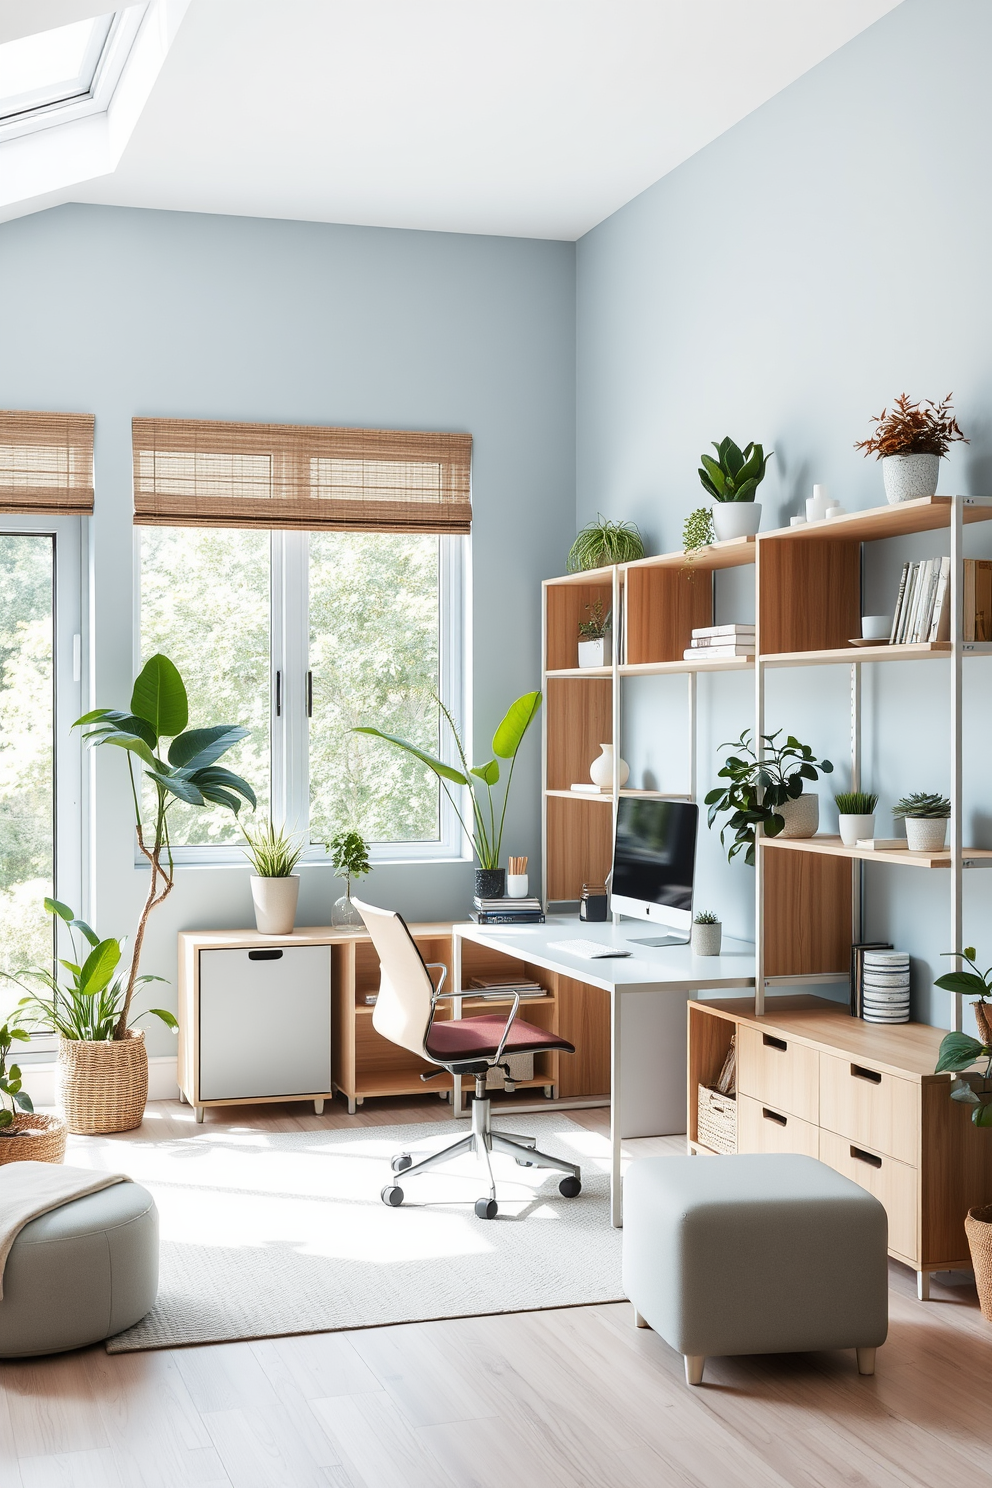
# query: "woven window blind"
{"points": [[46, 462], [193, 473]]}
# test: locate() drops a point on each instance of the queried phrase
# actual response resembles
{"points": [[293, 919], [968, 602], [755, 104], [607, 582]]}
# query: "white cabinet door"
{"points": [[265, 1022]]}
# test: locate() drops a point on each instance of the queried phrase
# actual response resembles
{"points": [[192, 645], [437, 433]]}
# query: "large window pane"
{"points": [[27, 794], [374, 651], [205, 605]]}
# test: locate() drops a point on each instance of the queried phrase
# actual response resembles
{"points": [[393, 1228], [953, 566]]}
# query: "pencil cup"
{"points": [[516, 886]]}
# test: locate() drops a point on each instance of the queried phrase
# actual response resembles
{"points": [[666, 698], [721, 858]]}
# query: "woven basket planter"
{"points": [[716, 1120], [978, 1228], [39, 1139], [102, 1086]]}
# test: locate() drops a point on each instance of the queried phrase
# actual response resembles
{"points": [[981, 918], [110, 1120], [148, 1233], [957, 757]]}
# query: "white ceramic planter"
{"points": [[601, 769], [594, 653], [926, 833], [516, 885], [275, 903], [802, 816], [706, 939], [854, 827], [908, 477], [736, 519]]}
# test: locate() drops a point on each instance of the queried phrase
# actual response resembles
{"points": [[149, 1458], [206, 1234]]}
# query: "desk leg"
{"points": [[616, 1182]]}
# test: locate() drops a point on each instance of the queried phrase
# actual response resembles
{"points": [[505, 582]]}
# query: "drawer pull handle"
{"points": [[771, 1042], [273, 955], [860, 1073], [866, 1157], [774, 1116]]}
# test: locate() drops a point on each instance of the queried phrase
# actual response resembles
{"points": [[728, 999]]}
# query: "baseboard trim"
{"points": [[39, 1079]]}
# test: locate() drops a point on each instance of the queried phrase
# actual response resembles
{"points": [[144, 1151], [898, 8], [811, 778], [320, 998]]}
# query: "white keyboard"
{"points": [[589, 950]]}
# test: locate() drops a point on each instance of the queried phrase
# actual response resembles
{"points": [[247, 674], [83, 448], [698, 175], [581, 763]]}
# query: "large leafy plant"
{"points": [[487, 815], [735, 474], [187, 772], [756, 788], [959, 1051]]}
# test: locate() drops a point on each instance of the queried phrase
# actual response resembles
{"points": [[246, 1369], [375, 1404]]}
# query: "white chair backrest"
{"points": [[403, 1008]]}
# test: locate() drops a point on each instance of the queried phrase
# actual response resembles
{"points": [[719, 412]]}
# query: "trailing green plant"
{"points": [[90, 1000], [923, 804], [958, 1051], [913, 429], [598, 624], [604, 542], [188, 772], [757, 787], [697, 529], [736, 474], [272, 851], [487, 836], [13, 1097], [349, 856], [706, 917], [856, 803]]}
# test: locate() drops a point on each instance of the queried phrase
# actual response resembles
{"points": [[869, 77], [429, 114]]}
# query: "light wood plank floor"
{"points": [[577, 1398]]}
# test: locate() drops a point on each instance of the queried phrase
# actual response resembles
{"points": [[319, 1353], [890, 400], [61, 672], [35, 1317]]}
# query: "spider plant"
{"points": [[603, 542]]}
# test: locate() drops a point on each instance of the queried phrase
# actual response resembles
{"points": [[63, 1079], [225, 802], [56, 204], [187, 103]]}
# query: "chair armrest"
{"points": [[438, 966], [443, 996]]}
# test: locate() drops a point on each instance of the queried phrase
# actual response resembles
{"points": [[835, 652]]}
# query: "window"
{"points": [[65, 72], [303, 634]]}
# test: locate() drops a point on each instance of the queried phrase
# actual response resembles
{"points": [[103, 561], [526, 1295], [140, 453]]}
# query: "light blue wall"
{"points": [[121, 312], [825, 254]]}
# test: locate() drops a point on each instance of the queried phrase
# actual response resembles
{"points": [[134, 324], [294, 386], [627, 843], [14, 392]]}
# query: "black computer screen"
{"points": [[654, 857]]}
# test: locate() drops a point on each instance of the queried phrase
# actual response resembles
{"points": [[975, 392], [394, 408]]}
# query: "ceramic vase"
{"points": [[275, 903], [802, 816], [594, 653], [706, 939], [736, 519], [926, 833], [601, 769], [490, 883], [517, 885], [908, 477], [853, 828]]}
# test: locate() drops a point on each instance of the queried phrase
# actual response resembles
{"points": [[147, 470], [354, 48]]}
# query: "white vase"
{"points": [[275, 903], [601, 769], [802, 816], [926, 833], [516, 885], [908, 477], [706, 939], [594, 653], [736, 519], [818, 504], [853, 828]]}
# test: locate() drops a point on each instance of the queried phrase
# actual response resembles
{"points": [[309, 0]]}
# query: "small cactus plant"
{"points": [[706, 917]]}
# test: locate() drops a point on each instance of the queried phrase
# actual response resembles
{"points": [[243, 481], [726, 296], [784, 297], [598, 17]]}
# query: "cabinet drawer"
{"points": [[871, 1107], [760, 1128], [893, 1183], [778, 1072]]}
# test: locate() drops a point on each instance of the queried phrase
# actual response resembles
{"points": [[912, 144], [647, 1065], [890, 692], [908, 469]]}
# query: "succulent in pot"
{"points": [[926, 817], [594, 636], [275, 888], [706, 934], [766, 792], [732, 479], [856, 813], [911, 439], [602, 542]]}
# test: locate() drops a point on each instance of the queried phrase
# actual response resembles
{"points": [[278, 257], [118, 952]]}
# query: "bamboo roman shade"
{"points": [[193, 473], [46, 463]]}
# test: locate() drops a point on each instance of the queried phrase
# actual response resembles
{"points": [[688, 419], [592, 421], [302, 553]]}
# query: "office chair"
{"points": [[404, 1014]]}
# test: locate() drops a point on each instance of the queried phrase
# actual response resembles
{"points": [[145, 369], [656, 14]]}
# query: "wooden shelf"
{"points": [[924, 515], [587, 576], [636, 795], [665, 668], [399, 1082], [580, 673], [919, 651], [833, 847], [735, 552], [570, 795]]}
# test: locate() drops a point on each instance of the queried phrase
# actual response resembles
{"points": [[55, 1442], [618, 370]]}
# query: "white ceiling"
{"points": [[529, 118]]}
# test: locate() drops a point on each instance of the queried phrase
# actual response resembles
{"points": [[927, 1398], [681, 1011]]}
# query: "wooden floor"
{"points": [[577, 1398]]}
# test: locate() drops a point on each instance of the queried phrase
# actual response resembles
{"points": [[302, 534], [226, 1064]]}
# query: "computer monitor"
{"points": [[654, 862]]}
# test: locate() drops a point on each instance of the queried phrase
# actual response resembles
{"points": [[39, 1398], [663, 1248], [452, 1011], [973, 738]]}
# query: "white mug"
{"points": [[876, 627], [516, 886]]}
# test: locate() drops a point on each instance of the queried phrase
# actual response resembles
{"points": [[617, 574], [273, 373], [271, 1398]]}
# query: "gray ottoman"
{"points": [[754, 1255], [80, 1273]]}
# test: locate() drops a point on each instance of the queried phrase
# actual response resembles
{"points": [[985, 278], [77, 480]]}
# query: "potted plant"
{"points": [[116, 1064], [926, 819], [856, 813], [732, 479], [911, 439], [350, 859], [101, 1080], [487, 837], [697, 530], [767, 792], [594, 634], [707, 934], [602, 542], [25, 1136], [275, 888]]}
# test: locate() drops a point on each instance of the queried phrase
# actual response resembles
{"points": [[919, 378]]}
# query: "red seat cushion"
{"points": [[478, 1038]]}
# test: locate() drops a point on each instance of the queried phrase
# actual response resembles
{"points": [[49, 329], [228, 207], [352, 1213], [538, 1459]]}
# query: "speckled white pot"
{"points": [[908, 477], [706, 939], [802, 816], [926, 833], [275, 903], [736, 519]]}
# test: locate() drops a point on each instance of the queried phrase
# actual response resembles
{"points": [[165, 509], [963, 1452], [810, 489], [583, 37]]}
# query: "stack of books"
{"points": [[508, 911], [858, 971], [713, 642], [923, 604], [505, 986]]}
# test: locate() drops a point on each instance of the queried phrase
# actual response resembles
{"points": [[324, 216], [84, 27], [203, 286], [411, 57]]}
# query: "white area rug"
{"points": [[272, 1233]]}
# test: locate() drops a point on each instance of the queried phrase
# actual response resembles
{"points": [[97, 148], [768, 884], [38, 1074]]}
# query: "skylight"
{"points": [[52, 68]]}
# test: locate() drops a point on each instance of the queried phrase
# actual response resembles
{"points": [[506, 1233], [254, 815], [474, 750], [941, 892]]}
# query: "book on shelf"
{"points": [[507, 905], [923, 602], [858, 971], [717, 653], [714, 634], [881, 844], [494, 917], [586, 788], [977, 620], [503, 987]]}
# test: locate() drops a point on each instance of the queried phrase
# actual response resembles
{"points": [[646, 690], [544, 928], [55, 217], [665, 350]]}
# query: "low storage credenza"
{"points": [[861, 1097]]}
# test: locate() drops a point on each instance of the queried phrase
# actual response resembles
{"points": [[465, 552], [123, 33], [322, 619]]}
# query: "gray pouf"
{"points": [[80, 1273], [754, 1254]]}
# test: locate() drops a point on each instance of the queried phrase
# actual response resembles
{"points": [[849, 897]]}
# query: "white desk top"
{"points": [[647, 968]]}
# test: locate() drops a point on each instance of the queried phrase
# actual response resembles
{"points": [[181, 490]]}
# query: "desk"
{"points": [[648, 994]]}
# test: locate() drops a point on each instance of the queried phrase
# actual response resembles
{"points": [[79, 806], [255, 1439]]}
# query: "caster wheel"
{"points": [[392, 1196], [485, 1208], [401, 1163], [570, 1188]]}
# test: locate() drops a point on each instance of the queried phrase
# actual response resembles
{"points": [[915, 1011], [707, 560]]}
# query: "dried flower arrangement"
{"points": [[596, 627], [910, 428]]}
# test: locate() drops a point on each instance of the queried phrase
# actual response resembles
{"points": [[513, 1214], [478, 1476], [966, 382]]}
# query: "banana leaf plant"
{"points": [[487, 815], [187, 772], [958, 1051]]}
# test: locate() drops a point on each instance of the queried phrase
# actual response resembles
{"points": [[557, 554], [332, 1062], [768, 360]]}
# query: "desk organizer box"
{"points": [[885, 992]]}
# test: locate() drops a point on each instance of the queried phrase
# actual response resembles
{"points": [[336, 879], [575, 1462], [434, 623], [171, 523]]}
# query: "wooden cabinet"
{"points": [[862, 1098]]}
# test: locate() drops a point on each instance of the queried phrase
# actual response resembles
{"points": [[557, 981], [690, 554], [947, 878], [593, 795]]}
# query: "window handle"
{"points": [[278, 694], [309, 694]]}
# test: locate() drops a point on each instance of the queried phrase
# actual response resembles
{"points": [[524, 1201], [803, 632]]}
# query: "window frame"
{"points": [[114, 51]]}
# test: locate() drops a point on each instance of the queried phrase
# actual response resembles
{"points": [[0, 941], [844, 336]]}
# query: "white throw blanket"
{"points": [[28, 1189]]}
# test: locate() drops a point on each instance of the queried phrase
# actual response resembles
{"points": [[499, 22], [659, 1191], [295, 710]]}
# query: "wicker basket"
{"points": [[102, 1086], [978, 1228], [41, 1139], [716, 1121]]}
